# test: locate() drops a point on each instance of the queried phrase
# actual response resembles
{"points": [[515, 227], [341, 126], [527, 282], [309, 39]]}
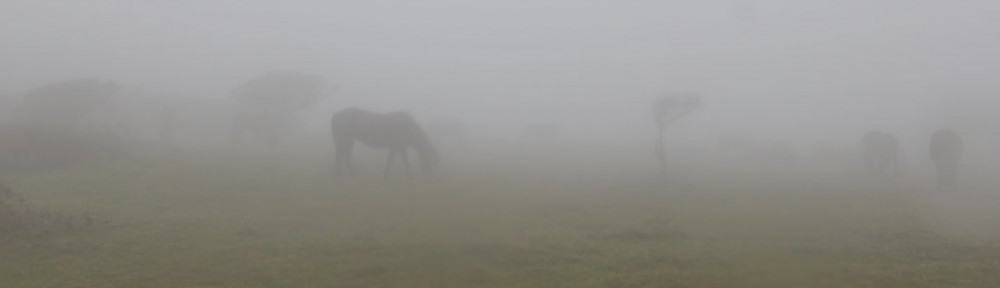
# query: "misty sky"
{"points": [[772, 65]]}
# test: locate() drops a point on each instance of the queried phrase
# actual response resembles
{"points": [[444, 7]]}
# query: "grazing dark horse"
{"points": [[880, 151], [395, 131], [946, 150]]}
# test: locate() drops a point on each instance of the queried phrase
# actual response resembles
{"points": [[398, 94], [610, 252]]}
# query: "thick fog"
{"points": [[800, 73], [517, 143]]}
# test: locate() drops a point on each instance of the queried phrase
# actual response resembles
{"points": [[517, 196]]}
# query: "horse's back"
{"points": [[374, 129]]}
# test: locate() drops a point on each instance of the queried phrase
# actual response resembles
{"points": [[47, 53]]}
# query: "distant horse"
{"points": [[395, 131], [881, 152], [946, 151]]}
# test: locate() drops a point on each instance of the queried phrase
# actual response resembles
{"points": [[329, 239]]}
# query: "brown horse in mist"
{"points": [[396, 132]]}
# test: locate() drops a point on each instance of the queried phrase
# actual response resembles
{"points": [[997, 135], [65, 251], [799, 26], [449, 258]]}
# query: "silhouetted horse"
{"points": [[396, 132], [946, 152], [880, 151]]}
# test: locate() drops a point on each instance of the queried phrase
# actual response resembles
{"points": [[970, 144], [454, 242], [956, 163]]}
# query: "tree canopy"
{"points": [[670, 108]]}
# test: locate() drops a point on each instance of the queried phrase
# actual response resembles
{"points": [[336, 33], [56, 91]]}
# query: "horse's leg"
{"points": [[388, 162], [342, 162], [406, 164]]}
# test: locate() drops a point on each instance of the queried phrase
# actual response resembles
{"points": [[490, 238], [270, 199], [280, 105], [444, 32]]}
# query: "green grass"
{"points": [[218, 222]]}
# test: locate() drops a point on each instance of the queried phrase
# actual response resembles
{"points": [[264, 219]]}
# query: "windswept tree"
{"points": [[667, 110], [266, 106]]}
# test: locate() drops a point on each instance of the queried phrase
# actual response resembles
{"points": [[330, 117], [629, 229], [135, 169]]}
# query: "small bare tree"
{"points": [[666, 110]]}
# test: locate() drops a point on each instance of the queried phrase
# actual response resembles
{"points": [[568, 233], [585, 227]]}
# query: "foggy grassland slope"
{"points": [[226, 222]]}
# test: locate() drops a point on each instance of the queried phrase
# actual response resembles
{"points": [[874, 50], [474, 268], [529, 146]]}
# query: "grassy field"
{"points": [[218, 222]]}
